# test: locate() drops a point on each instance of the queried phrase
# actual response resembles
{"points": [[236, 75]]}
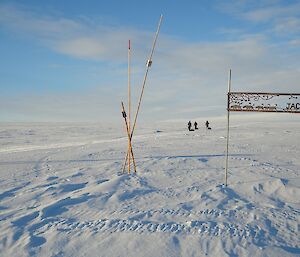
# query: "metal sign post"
{"points": [[227, 144], [258, 102]]}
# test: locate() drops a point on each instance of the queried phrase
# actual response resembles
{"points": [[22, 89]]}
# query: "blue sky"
{"points": [[67, 60]]}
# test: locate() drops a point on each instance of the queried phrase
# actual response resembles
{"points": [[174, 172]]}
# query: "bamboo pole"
{"points": [[227, 144], [128, 134], [129, 104], [148, 65]]}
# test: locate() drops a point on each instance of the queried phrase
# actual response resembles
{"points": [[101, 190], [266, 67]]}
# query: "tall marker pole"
{"points": [[227, 145], [149, 62], [129, 104]]}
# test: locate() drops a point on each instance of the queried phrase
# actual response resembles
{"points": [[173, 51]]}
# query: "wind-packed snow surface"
{"points": [[62, 192]]}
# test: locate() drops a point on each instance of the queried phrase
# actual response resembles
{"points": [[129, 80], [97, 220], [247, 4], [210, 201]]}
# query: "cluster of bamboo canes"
{"points": [[127, 119]]}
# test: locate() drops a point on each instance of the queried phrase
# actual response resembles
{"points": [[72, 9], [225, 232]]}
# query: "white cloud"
{"points": [[274, 12], [23, 20], [294, 42], [277, 16], [80, 38], [260, 11], [289, 25], [82, 48]]}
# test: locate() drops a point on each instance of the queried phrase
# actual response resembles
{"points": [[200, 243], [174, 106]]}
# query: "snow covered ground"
{"points": [[62, 192]]}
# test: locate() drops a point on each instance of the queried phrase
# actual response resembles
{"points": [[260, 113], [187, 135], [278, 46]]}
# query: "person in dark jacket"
{"points": [[196, 125], [207, 124], [190, 126]]}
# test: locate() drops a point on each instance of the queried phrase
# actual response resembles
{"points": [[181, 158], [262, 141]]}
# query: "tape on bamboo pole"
{"points": [[128, 134]]}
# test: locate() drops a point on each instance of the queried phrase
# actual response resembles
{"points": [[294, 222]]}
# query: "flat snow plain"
{"points": [[62, 192]]}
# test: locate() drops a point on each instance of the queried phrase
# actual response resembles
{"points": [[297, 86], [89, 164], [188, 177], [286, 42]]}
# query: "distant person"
{"points": [[190, 126], [196, 125], [207, 125]]}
